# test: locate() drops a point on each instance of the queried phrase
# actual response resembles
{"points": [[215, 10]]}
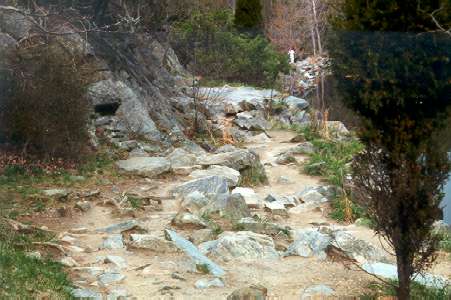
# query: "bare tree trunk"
{"points": [[315, 26], [313, 40], [404, 279]]}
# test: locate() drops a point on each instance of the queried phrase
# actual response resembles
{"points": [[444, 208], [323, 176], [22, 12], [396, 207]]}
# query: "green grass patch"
{"points": [[444, 243], [418, 291], [332, 161], [26, 277]]}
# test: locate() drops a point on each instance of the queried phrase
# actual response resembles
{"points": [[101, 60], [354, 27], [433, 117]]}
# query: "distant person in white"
{"points": [[291, 55]]}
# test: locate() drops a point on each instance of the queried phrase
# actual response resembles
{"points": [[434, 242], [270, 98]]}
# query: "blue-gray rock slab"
{"points": [[296, 103], [189, 249], [86, 294], [319, 291], [390, 271], [145, 166], [206, 283], [120, 227], [113, 241], [109, 278], [210, 184], [240, 245]]}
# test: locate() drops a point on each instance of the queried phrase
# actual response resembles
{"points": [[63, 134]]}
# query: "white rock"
{"points": [[250, 197]]}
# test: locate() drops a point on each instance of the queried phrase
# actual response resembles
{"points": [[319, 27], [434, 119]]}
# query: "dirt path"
{"points": [[148, 275]]}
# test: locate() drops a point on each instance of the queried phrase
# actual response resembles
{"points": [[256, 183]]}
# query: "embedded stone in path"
{"points": [[211, 184], [145, 166], [242, 244], [192, 251], [205, 283], [232, 175]]}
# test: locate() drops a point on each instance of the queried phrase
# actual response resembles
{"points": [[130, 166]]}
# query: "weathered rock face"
{"points": [[242, 244], [15, 24]]}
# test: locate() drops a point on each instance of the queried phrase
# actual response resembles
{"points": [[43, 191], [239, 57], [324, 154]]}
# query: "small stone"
{"points": [[205, 283], [109, 278], [83, 205], [298, 139], [58, 194], [178, 276], [80, 230], [69, 262], [120, 227], [152, 243], [254, 292], [202, 235], [118, 261], [250, 197], [276, 208], [86, 294], [188, 220], [284, 180], [113, 241], [68, 239], [118, 293], [320, 291]]}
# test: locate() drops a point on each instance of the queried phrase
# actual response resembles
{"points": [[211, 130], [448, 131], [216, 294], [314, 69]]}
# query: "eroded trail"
{"points": [[104, 263]]}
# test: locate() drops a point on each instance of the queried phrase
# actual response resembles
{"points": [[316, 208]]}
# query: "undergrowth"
{"points": [[25, 277], [418, 292], [332, 161]]}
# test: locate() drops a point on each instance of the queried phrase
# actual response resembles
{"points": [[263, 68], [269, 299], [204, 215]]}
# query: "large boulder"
{"points": [[238, 160], [252, 121], [104, 92], [145, 166], [151, 242], [295, 103], [308, 243], [355, 248], [232, 207], [253, 292], [241, 244], [181, 158], [7, 44], [211, 184], [15, 24], [232, 175]]}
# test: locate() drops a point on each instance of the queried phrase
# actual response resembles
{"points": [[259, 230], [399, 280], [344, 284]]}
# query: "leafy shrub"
{"points": [[211, 47], [44, 113]]}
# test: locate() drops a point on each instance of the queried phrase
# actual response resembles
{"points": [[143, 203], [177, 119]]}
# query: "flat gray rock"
{"points": [[240, 245], [206, 284], [211, 184], [232, 175], [192, 251], [250, 197], [181, 158], [86, 294], [120, 227], [319, 291], [308, 243], [113, 241], [152, 242], [145, 166], [109, 278]]}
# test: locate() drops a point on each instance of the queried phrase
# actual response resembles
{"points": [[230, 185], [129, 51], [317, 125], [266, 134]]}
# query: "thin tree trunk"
{"points": [[313, 40], [315, 22], [404, 278]]}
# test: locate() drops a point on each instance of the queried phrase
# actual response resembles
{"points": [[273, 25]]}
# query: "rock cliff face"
{"points": [[136, 83]]}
